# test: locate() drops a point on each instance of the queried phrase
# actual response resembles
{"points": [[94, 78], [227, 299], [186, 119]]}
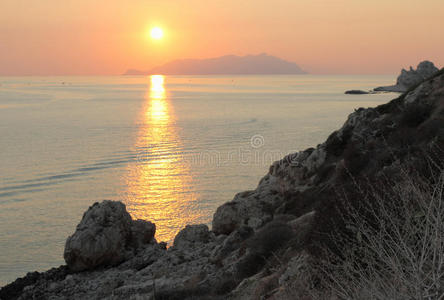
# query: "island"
{"points": [[261, 64]]}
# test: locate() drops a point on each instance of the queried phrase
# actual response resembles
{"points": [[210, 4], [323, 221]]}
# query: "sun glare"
{"points": [[156, 33]]}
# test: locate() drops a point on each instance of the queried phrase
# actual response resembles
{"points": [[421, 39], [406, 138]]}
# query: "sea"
{"points": [[172, 148]]}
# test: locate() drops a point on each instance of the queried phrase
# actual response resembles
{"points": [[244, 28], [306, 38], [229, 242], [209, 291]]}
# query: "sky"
{"points": [[98, 37]]}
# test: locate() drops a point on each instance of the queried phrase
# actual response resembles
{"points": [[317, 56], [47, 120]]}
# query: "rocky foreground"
{"points": [[263, 241]]}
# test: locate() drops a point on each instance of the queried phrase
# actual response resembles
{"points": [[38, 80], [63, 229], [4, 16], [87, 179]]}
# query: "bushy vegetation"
{"points": [[414, 114], [392, 243], [335, 145], [261, 246]]}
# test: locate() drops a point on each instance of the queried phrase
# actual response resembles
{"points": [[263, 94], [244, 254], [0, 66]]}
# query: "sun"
{"points": [[156, 33]]}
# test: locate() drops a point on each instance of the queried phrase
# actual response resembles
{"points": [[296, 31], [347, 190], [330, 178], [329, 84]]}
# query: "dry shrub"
{"points": [[393, 244], [355, 158], [270, 239], [416, 113]]}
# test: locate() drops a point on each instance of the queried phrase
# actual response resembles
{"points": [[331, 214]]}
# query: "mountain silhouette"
{"points": [[228, 64]]}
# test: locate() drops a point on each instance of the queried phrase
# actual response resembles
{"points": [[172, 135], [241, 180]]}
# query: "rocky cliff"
{"points": [[261, 242], [408, 79]]}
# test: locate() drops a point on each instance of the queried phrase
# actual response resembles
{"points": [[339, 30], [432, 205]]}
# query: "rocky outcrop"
{"points": [[263, 241], [191, 236], [251, 208], [104, 236], [409, 79]]}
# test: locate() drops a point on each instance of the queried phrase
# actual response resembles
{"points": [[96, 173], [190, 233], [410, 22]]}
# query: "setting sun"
{"points": [[226, 149], [156, 33]]}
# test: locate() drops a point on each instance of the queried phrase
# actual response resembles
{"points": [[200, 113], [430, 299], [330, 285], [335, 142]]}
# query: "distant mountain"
{"points": [[134, 72], [229, 64]]}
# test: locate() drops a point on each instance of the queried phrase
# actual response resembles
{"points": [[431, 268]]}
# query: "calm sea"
{"points": [[171, 148]]}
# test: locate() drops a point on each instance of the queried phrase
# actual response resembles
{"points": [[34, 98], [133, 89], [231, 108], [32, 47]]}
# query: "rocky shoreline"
{"points": [[405, 81], [262, 242]]}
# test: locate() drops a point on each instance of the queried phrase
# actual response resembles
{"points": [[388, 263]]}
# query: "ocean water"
{"points": [[172, 148]]}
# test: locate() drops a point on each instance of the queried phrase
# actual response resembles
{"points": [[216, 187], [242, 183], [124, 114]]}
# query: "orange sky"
{"points": [[86, 37]]}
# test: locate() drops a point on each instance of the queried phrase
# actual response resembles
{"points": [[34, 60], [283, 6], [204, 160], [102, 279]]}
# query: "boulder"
{"points": [[225, 219], [248, 210], [192, 235], [100, 238], [251, 208]]}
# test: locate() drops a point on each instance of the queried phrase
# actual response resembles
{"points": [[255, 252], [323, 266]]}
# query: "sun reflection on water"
{"points": [[159, 184]]}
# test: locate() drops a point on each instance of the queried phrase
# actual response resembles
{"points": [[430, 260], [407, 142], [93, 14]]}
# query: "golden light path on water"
{"points": [[160, 186]]}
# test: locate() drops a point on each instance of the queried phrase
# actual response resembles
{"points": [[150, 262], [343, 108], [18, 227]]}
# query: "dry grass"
{"points": [[394, 242]]}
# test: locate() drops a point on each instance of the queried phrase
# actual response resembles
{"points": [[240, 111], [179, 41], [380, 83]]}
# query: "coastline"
{"points": [[291, 199], [106, 143]]}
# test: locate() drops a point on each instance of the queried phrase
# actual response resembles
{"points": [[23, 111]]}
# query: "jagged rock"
{"points": [[412, 77], [100, 237], [345, 152], [225, 219], [245, 209], [232, 242], [142, 232], [144, 257], [104, 235], [409, 79], [15, 289], [192, 235], [251, 208]]}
